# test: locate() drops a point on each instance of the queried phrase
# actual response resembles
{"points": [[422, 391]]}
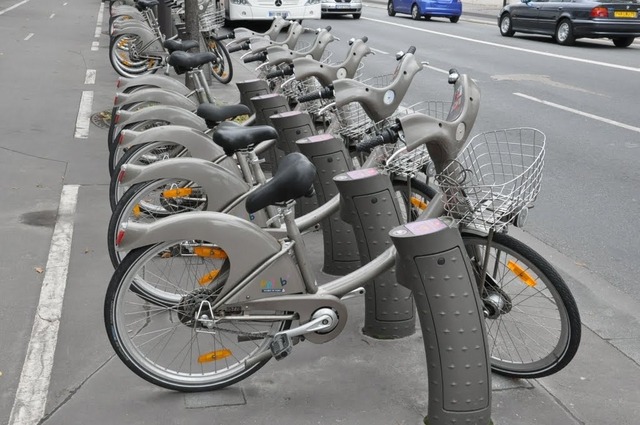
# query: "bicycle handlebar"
{"points": [[323, 93], [287, 70], [258, 57], [236, 48], [388, 136]]}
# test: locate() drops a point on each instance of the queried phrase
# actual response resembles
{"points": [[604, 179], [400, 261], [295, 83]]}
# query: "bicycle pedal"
{"points": [[281, 346]]}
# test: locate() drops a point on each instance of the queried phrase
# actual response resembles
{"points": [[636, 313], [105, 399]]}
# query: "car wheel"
{"points": [[505, 26], [427, 17], [415, 12], [357, 15], [454, 19], [564, 33], [390, 10], [623, 41]]}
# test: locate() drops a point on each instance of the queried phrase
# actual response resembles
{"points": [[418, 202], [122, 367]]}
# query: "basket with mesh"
{"points": [[212, 18], [495, 177]]}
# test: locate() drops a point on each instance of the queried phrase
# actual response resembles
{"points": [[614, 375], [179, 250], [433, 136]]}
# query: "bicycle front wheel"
{"points": [[223, 69], [532, 321], [161, 322]]}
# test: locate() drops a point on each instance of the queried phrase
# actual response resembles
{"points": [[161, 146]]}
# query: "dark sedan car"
{"points": [[568, 20]]}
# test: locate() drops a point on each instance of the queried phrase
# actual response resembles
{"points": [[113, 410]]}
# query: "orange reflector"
{"points": [[214, 356], [521, 273], [418, 203], [178, 192], [136, 210], [210, 252], [208, 278]]}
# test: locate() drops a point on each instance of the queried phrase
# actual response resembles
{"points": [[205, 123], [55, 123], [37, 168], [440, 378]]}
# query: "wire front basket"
{"points": [[494, 178], [212, 18]]}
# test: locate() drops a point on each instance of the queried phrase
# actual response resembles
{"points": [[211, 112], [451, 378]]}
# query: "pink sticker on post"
{"points": [[362, 173], [426, 227]]}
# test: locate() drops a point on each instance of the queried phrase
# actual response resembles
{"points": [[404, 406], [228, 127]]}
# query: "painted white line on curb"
{"points": [[94, 46], [84, 115], [3, 11], [28, 36], [382, 52], [584, 114], [90, 78], [31, 396], [503, 46]]}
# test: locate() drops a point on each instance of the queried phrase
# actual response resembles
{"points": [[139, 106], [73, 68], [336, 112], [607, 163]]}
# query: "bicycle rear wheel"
{"points": [[150, 201], [223, 69], [160, 321], [532, 321]]}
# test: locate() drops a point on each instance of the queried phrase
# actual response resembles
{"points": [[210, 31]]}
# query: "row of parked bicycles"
{"points": [[212, 278]]}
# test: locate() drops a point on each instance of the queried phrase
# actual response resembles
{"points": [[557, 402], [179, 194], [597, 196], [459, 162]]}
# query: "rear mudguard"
{"points": [[225, 191], [247, 246], [152, 80], [156, 95], [195, 141], [165, 113], [150, 42], [124, 9], [128, 23]]}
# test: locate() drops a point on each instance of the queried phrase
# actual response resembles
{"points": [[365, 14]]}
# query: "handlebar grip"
{"points": [[328, 28], [365, 39], [323, 93], [287, 70], [411, 50], [369, 143], [387, 136], [258, 57], [229, 36]]}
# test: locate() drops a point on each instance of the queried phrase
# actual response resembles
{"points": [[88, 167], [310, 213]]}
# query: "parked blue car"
{"points": [[451, 9]]}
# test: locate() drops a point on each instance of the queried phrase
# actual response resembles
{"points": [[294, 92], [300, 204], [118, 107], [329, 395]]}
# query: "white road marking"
{"points": [[3, 11], [520, 49], [64, 4], [584, 114], [98, 32], [52, 15], [382, 52], [90, 77], [94, 46], [84, 115], [31, 396], [444, 71], [28, 36], [100, 12]]}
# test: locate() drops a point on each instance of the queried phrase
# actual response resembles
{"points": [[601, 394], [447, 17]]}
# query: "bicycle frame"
{"points": [[242, 287]]}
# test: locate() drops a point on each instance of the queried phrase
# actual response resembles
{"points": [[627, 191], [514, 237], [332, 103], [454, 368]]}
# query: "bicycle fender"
{"points": [[169, 114], [157, 95], [246, 245], [147, 37], [195, 141], [221, 186], [124, 9], [152, 80]]}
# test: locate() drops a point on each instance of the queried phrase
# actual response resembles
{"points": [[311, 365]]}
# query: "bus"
{"points": [[266, 10]]}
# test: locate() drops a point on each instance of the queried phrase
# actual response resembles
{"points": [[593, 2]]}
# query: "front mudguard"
{"points": [[247, 247], [155, 95], [126, 85]]}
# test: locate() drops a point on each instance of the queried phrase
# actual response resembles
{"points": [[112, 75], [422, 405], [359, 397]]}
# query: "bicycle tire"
{"points": [[421, 195], [144, 154], [162, 343], [123, 64], [223, 70], [145, 202], [523, 343]]}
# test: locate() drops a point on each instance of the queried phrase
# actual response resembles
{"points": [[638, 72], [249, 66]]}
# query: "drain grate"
{"points": [[101, 119]]}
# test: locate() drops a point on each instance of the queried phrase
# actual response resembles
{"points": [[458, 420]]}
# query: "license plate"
{"points": [[343, 6], [282, 14], [625, 14]]}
